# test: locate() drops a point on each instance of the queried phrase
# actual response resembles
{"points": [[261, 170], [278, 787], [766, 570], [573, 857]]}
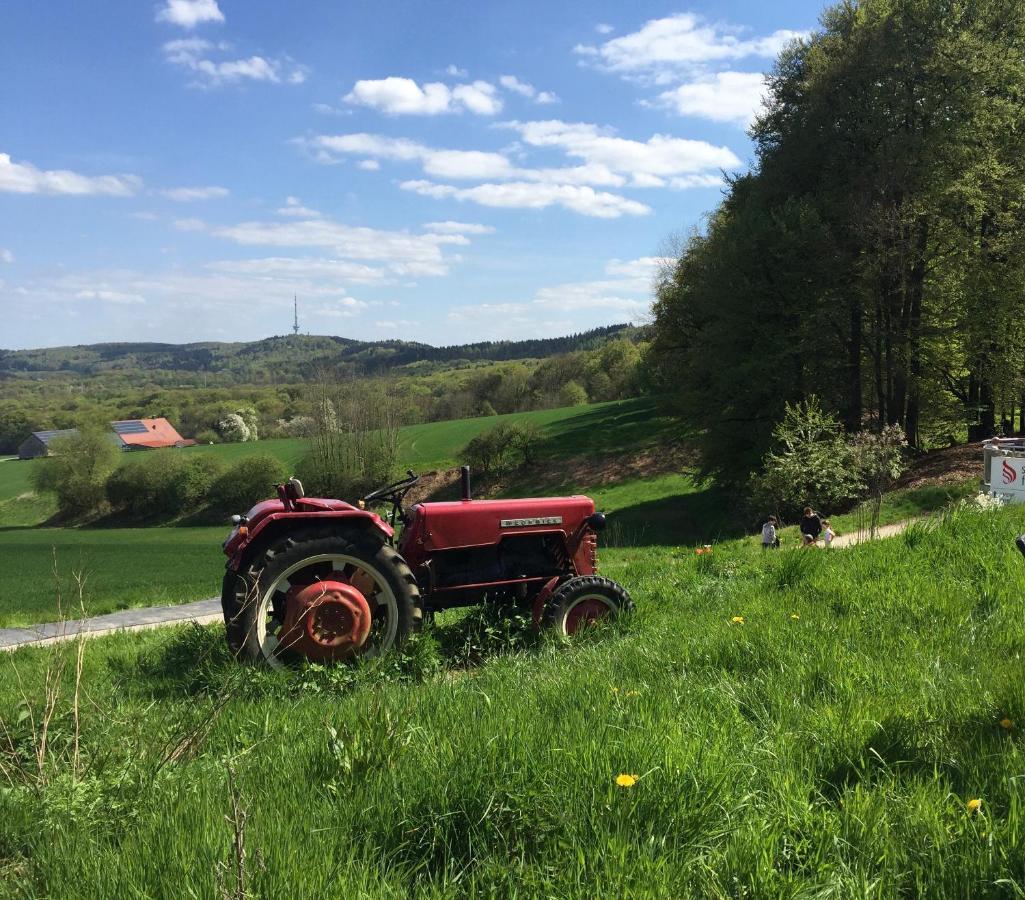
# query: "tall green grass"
{"points": [[825, 746]]}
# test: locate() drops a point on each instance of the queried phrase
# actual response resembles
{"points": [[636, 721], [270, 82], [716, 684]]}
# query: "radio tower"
{"points": [[295, 324]]}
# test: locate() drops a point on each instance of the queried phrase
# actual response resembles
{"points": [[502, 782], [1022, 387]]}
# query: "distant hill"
{"points": [[284, 358]]}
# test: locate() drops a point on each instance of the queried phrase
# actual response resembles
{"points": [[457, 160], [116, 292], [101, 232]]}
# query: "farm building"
{"points": [[148, 434], [38, 443]]}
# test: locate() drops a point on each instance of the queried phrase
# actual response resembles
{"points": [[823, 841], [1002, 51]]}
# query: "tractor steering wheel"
{"points": [[393, 494]]}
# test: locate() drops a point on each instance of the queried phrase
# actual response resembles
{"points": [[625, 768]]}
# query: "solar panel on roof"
{"points": [[131, 427]]}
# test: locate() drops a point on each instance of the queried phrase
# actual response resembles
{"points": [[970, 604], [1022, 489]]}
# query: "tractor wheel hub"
{"points": [[325, 621], [585, 613]]}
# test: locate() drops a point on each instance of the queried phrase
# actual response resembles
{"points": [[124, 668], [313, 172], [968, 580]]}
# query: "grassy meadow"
{"points": [[126, 567], [132, 567], [797, 724]]}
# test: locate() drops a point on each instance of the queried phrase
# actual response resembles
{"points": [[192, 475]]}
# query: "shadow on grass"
{"points": [[193, 661], [899, 749], [626, 426], [701, 517]]}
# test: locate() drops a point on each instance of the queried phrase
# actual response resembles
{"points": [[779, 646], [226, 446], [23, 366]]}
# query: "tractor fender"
{"points": [[241, 542]]}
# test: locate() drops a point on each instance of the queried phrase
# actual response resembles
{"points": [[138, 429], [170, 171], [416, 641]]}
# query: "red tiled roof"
{"points": [[147, 432]]}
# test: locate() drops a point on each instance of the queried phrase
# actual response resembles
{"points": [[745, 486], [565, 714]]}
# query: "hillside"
{"points": [[798, 724], [288, 358]]}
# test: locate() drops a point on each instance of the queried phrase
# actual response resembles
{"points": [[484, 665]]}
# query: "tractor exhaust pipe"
{"points": [[464, 480]]}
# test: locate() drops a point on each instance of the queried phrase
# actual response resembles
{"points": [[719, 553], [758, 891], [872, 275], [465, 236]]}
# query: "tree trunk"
{"points": [[854, 406]]}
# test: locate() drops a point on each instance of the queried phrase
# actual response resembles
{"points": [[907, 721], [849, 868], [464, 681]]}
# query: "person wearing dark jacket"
{"points": [[811, 527]]}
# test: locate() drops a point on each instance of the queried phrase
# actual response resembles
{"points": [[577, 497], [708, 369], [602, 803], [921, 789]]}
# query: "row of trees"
{"points": [[875, 255], [614, 370], [89, 476]]}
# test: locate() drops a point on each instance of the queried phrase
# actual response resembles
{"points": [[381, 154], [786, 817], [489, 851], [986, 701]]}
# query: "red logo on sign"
{"points": [[1008, 474]]}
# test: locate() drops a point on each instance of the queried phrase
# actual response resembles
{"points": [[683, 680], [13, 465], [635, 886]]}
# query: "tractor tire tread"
{"points": [[240, 604], [554, 608]]}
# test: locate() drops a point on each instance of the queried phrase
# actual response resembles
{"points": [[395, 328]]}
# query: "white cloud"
{"points": [[451, 227], [305, 268], [186, 194], [342, 308], [25, 178], [602, 28], [403, 96], [190, 13], [396, 324], [192, 54], [461, 165], [6, 255], [480, 98], [531, 195], [402, 252], [190, 224], [369, 165], [723, 97], [108, 296], [647, 163], [294, 207], [512, 83], [455, 72], [682, 41], [625, 295]]}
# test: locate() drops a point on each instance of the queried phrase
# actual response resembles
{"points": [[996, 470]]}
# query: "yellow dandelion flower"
{"points": [[794, 616], [626, 781], [737, 620], [633, 693], [973, 806], [1006, 724]]}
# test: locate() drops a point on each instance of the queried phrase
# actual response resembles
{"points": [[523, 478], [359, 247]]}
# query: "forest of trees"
{"points": [[874, 256]]}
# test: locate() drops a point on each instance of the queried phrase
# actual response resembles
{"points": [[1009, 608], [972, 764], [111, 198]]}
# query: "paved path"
{"points": [[201, 611]]}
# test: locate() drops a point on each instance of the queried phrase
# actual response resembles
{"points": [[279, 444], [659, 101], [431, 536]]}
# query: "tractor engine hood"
{"points": [[481, 523]]}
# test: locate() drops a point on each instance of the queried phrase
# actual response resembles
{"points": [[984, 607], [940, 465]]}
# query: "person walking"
{"points": [[811, 526], [769, 537]]}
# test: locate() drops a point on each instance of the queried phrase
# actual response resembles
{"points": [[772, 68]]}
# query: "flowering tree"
{"points": [[233, 429]]}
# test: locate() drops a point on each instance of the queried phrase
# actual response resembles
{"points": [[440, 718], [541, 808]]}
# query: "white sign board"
{"points": [[1007, 477]]}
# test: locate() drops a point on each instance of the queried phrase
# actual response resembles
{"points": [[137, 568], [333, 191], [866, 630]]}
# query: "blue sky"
{"points": [[175, 170]]}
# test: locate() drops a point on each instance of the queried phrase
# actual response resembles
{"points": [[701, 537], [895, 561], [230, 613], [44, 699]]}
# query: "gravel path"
{"points": [[883, 531]]}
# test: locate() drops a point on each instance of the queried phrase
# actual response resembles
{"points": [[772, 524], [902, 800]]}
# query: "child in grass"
{"points": [[769, 538], [828, 534]]}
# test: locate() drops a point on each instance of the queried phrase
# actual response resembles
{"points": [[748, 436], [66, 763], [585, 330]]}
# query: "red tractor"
{"points": [[325, 580]]}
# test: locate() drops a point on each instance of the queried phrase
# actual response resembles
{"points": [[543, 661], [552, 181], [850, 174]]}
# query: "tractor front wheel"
{"points": [[583, 601], [323, 597]]}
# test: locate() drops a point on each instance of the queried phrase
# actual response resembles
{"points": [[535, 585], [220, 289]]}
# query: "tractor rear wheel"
{"points": [[583, 601], [323, 597]]}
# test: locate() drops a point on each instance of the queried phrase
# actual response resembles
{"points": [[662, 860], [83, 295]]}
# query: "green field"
{"points": [[827, 746], [126, 568], [585, 431], [152, 566]]}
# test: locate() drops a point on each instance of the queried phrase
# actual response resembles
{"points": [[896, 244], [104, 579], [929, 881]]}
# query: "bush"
{"points": [[77, 471], [814, 463], [162, 484], [351, 462], [503, 447], [300, 426], [572, 394], [347, 465], [207, 436], [246, 483]]}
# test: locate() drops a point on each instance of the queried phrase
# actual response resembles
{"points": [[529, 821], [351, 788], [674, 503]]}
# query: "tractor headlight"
{"points": [[596, 521]]}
